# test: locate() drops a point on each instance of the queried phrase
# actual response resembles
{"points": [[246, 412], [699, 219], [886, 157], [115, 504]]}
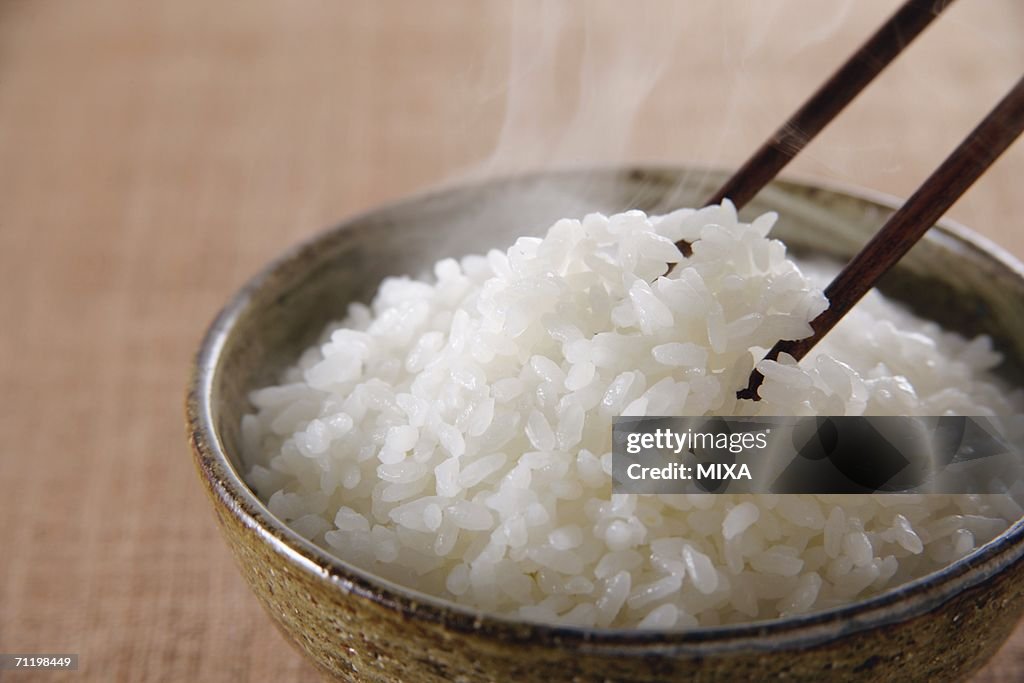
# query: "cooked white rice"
{"points": [[455, 436]]}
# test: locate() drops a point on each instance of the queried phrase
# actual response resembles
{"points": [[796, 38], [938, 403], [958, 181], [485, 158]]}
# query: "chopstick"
{"points": [[944, 186], [831, 98]]}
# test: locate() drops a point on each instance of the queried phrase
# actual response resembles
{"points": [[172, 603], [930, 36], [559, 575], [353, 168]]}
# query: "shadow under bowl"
{"points": [[357, 627]]}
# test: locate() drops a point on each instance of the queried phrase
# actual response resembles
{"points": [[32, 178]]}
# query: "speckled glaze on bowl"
{"points": [[356, 627]]}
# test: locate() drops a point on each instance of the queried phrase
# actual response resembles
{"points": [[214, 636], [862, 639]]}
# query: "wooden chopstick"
{"points": [[830, 99], [951, 179]]}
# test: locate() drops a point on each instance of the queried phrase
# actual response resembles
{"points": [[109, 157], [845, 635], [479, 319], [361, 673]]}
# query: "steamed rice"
{"points": [[455, 436]]}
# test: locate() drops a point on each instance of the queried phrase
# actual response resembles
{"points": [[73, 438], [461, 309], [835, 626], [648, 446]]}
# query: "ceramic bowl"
{"points": [[357, 627]]}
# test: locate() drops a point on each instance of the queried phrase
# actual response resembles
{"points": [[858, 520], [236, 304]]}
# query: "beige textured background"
{"points": [[154, 155]]}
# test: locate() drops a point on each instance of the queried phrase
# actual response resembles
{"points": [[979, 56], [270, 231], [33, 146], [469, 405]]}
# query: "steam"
{"points": [[603, 82], [622, 62], [578, 75], [581, 78]]}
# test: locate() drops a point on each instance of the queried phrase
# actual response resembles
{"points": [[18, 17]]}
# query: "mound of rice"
{"points": [[455, 436]]}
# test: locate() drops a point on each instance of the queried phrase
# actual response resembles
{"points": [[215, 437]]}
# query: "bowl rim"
{"points": [[899, 603]]}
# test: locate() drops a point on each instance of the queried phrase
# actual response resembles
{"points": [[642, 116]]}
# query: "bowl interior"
{"points": [[951, 276]]}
